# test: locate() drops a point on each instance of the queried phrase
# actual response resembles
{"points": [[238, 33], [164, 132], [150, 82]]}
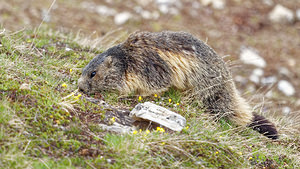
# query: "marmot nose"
{"points": [[81, 90], [80, 85]]}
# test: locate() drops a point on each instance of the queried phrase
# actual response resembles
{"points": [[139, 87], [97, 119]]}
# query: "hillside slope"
{"points": [[45, 124]]}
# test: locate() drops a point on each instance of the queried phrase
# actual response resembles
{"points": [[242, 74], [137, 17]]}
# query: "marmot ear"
{"points": [[108, 61]]}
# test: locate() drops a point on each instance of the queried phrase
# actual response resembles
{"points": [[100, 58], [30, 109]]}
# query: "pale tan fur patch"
{"points": [[139, 86], [242, 113], [181, 67]]}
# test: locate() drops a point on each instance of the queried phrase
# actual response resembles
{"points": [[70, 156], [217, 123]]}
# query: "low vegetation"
{"points": [[45, 123]]}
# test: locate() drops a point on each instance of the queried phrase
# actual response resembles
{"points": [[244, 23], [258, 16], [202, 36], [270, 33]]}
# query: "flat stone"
{"points": [[122, 18], [286, 87], [298, 14], [281, 14], [25, 86], [117, 128], [216, 4], [151, 112], [250, 56]]}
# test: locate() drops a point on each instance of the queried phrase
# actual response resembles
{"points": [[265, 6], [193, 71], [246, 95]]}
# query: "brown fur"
{"points": [[151, 63]]}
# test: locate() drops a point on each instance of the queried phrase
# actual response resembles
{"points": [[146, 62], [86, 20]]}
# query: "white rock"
{"points": [[291, 62], [46, 15], [169, 2], [240, 79], [254, 78], [269, 94], [105, 11], [160, 115], [25, 86], [217, 4], [298, 14], [249, 56], [286, 87], [286, 110], [68, 49], [146, 14], [284, 71], [117, 128], [281, 14], [121, 18], [163, 8], [256, 74], [269, 80], [268, 2]]}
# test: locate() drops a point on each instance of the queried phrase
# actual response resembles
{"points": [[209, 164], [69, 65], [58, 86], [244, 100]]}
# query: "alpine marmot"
{"points": [[151, 63]]}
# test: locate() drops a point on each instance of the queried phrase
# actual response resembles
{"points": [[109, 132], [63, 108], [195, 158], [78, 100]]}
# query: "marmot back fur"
{"points": [[150, 63]]}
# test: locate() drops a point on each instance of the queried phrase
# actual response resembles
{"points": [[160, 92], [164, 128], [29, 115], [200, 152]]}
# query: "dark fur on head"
{"points": [[151, 63], [104, 72]]}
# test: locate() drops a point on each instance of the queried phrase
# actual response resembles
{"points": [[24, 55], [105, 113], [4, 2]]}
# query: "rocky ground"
{"points": [[260, 39]]}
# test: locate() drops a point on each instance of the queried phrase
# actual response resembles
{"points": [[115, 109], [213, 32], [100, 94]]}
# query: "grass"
{"points": [[44, 125]]}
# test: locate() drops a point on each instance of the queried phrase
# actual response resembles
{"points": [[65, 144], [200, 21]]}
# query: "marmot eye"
{"points": [[93, 74]]}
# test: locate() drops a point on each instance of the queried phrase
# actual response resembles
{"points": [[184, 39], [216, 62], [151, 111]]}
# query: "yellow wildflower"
{"points": [[147, 131], [71, 70], [162, 143], [77, 97], [51, 116], [160, 129], [140, 98], [140, 130], [134, 132], [64, 85], [155, 95], [250, 158], [170, 100], [187, 127], [217, 152], [177, 104], [112, 120]]}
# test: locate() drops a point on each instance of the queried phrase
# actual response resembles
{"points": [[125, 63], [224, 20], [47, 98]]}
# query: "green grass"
{"points": [[42, 125]]}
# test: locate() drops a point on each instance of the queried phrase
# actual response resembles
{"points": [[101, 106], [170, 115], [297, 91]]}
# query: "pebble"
{"points": [[121, 18], [256, 74], [249, 56], [268, 2], [25, 86], [240, 79], [105, 11], [216, 4], [281, 14], [269, 80], [298, 14], [286, 87], [68, 49], [286, 110], [284, 71], [46, 15]]}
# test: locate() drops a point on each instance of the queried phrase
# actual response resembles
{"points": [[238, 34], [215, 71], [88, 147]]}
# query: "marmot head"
{"points": [[104, 73]]}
